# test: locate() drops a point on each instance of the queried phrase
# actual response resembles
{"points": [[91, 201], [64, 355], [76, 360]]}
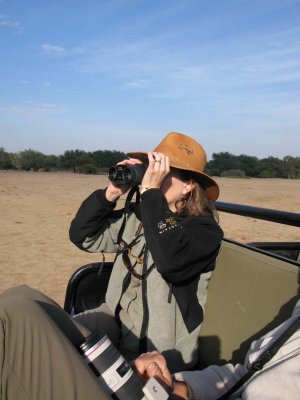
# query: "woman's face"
{"points": [[174, 188]]}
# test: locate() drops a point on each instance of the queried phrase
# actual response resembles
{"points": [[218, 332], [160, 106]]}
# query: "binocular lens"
{"points": [[127, 174], [112, 174]]}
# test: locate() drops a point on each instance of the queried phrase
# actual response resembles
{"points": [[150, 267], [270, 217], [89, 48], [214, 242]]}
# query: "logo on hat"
{"points": [[184, 147]]}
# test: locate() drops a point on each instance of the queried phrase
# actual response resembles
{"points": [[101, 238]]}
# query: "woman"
{"points": [[166, 248]]}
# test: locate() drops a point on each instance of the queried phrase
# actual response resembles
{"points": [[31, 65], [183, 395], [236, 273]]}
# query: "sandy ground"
{"points": [[36, 210]]}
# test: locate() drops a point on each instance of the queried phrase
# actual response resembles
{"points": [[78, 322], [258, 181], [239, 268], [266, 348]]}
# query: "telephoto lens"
{"points": [[127, 174], [115, 375]]}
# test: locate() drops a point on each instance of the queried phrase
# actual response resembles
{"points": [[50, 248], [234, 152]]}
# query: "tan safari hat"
{"points": [[185, 153]]}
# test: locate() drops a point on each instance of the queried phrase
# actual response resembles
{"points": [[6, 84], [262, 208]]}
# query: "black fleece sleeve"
{"points": [[180, 249], [90, 217]]}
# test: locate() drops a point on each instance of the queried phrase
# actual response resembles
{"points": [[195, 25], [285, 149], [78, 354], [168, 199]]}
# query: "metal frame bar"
{"points": [[263, 251], [267, 214]]}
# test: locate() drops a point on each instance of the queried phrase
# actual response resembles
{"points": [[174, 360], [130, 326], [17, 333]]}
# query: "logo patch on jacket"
{"points": [[166, 224]]}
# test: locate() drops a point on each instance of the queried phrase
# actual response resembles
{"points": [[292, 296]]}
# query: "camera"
{"points": [[127, 174], [115, 375]]}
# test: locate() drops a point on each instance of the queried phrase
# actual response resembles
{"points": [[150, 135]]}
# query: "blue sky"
{"points": [[121, 74]]}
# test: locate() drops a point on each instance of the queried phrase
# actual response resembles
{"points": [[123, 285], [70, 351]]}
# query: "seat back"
{"points": [[87, 287], [249, 294]]}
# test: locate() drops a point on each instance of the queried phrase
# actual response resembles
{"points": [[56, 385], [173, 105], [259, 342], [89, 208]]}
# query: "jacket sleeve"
{"points": [[96, 224], [180, 249], [211, 382]]}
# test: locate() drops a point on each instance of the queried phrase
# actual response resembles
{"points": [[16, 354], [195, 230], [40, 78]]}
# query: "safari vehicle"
{"points": [[253, 289]]}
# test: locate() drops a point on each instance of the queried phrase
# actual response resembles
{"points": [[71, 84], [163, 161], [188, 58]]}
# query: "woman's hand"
{"points": [[158, 169], [114, 191]]}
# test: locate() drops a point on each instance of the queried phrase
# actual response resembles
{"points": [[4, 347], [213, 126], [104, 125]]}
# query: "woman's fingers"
{"points": [[158, 169], [130, 161]]}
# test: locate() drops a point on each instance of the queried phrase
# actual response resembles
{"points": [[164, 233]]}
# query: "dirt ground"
{"points": [[36, 210]]}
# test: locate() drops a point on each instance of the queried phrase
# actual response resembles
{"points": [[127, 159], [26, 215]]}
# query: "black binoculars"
{"points": [[127, 174]]}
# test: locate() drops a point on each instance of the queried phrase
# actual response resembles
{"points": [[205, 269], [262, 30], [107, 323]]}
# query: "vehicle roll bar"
{"points": [[267, 214]]}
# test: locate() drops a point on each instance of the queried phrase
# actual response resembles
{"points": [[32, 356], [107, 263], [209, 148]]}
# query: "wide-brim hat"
{"points": [[185, 153]]}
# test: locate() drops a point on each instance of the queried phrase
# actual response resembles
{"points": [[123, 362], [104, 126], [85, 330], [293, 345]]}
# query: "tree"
{"points": [[51, 162], [107, 158], [5, 161], [291, 167], [249, 164], [87, 169], [15, 160], [31, 159], [223, 161], [271, 167], [71, 159], [233, 173]]}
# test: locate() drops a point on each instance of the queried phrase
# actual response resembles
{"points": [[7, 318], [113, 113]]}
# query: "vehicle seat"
{"points": [[249, 294]]}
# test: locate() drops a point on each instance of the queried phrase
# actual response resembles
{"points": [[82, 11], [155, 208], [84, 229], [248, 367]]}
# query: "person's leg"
{"points": [[101, 319], [37, 357]]}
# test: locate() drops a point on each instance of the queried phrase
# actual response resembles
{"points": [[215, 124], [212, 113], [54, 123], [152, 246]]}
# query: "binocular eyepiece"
{"points": [[127, 174]]}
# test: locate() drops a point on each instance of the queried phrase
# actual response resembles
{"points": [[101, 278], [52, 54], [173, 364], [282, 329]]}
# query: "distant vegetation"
{"points": [[79, 161], [72, 160], [226, 164]]}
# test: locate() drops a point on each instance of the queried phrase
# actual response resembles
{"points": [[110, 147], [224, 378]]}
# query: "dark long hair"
{"points": [[195, 202]]}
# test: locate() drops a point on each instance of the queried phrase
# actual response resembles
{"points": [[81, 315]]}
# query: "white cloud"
{"points": [[46, 83], [138, 84], [51, 49], [10, 24], [30, 108]]}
